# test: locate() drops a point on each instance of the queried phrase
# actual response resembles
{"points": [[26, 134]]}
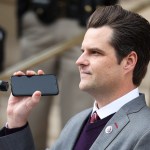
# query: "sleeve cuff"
{"points": [[6, 131]]}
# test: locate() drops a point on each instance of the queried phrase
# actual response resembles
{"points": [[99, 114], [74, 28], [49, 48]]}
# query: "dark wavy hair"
{"points": [[131, 32]]}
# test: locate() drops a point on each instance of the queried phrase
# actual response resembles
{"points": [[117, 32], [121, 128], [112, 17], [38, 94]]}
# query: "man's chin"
{"points": [[83, 87]]}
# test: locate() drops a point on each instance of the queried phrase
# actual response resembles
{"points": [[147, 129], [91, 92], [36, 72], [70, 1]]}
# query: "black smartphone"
{"points": [[26, 85]]}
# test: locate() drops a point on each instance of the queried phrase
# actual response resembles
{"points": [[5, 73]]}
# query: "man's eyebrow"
{"points": [[94, 49]]}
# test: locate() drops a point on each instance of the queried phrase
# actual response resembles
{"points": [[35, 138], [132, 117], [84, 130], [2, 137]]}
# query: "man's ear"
{"points": [[130, 61]]}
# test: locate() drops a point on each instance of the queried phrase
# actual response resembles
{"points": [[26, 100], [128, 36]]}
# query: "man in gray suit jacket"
{"points": [[114, 60]]}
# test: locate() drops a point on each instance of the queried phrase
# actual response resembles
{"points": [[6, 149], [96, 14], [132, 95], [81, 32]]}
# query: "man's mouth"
{"points": [[85, 73]]}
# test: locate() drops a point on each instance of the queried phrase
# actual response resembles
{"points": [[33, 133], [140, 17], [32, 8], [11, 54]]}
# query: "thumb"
{"points": [[34, 100], [36, 97]]}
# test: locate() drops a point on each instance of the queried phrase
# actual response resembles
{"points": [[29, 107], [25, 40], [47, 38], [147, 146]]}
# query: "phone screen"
{"points": [[27, 85]]}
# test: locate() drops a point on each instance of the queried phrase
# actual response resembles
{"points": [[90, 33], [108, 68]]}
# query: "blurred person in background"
{"points": [[2, 47], [43, 24]]}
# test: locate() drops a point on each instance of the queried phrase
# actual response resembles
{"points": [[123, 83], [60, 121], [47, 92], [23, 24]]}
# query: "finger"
{"points": [[30, 72], [18, 73], [34, 100], [36, 97], [40, 72]]}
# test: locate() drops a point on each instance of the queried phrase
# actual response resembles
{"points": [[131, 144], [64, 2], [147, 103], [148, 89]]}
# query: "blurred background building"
{"points": [[12, 55]]}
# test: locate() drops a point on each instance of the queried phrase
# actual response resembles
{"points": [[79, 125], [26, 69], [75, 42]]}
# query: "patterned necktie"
{"points": [[94, 117]]}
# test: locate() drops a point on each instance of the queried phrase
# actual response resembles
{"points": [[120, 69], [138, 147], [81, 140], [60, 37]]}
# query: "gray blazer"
{"points": [[128, 129]]}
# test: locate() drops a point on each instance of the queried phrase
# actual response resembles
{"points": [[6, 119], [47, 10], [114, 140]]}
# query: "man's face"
{"points": [[98, 66]]}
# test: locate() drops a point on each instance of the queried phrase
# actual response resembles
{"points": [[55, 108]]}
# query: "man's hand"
{"points": [[19, 108]]}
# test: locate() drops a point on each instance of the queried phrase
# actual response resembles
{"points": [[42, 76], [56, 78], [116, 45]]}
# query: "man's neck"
{"points": [[115, 105], [103, 100]]}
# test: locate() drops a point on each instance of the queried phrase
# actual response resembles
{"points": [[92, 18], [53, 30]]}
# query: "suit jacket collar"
{"points": [[118, 122]]}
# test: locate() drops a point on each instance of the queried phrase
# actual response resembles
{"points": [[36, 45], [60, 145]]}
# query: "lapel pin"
{"points": [[116, 125], [108, 129]]}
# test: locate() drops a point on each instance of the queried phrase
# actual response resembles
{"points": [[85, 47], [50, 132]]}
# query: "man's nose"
{"points": [[82, 60]]}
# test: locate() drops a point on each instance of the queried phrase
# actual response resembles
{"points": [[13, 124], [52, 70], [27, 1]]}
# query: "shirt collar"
{"points": [[114, 106]]}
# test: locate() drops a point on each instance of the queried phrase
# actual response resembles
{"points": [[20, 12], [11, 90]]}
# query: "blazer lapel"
{"points": [[113, 127], [117, 123], [76, 125]]}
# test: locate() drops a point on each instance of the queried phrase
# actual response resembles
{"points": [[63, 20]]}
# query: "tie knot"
{"points": [[94, 117]]}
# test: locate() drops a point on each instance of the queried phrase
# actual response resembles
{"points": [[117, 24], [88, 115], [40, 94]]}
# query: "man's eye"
{"points": [[95, 52]]}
